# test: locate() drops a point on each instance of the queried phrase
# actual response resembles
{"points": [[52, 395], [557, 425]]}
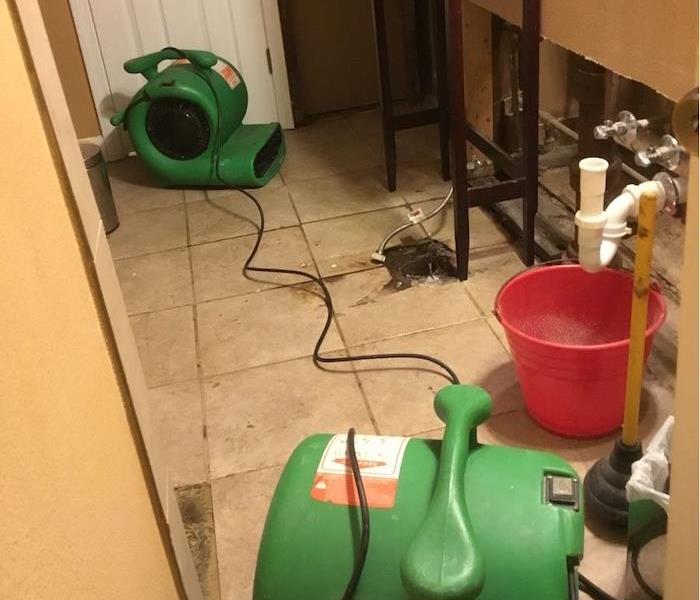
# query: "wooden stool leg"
{"points": [[458, 145], [442, 89], [530, 70], [424, 51], [385, 93]]}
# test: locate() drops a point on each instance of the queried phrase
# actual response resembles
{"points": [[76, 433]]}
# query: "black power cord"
{"points": [[590, 588], [330, 311], [216, 145], [637, 542], [318, 359], [361, 556], [364, 510]]}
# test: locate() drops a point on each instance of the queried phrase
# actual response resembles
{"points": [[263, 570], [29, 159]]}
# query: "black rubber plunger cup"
{"points": [[605, 482]]}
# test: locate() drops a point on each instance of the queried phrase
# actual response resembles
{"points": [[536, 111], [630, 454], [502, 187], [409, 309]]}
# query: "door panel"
{"points": [[335, 65], [233, 29]]}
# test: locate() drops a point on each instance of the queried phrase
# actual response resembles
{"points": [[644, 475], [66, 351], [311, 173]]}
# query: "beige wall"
{"points": [[645, 40], [555, 96], [66, 51], [476, 41], [682, 554], [77, 519]]}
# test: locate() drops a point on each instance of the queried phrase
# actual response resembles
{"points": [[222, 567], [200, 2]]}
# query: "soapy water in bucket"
{"points": [[564, 306], [559, 328]]}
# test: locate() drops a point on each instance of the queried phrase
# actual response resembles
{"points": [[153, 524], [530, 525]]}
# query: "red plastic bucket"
{"points": [[568, 332]]}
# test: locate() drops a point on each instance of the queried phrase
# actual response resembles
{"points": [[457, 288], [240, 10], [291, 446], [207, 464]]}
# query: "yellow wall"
{"points": [[69, 61], [76, 517]]}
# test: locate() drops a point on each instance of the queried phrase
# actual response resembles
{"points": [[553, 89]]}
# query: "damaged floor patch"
{"points": [[195, 506], [429, 261]]}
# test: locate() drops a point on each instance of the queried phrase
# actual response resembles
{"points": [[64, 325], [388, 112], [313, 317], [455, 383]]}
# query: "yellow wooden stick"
{"points": [[638, 320]]}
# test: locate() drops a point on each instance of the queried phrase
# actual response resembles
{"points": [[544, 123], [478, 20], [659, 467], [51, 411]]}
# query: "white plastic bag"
{"points": [[649, 473]]}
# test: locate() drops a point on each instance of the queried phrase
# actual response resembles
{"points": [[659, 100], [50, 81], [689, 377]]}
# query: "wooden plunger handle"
{"points": [[646, 225]]}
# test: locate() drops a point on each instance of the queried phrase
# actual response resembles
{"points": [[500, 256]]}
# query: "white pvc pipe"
{"points": [[601, 231], [590, 219], [593, 172]]}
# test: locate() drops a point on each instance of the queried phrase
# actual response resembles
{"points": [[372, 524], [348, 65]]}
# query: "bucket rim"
{"points": [[510, 328]]}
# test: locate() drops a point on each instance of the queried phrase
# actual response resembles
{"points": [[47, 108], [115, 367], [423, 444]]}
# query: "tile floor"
{"points": [[227, 358]]}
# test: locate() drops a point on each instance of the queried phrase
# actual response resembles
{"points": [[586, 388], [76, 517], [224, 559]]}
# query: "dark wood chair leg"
{"points": [[385, 93], [530, 70], [424, 51], [458, 145], [440, 43]]}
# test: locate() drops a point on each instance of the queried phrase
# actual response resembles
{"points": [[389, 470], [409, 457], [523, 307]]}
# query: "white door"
{"points": [[247, 33]]}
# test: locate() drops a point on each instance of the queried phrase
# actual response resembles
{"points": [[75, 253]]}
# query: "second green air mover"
{"points": [[186, 122], [450, 519]]}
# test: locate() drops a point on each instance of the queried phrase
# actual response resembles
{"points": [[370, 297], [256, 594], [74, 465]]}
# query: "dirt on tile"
{"points": [[198, 517]]}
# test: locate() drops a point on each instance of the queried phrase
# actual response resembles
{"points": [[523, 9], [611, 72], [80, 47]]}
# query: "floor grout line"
{"points": [[418, 331], [370, 412], [473, 301], [203, 402], [248, 472], [405, 204], [496, 333], [197, 353], [272, 286], [197, 244], [159, 310], [346, 347], [425, 431]]}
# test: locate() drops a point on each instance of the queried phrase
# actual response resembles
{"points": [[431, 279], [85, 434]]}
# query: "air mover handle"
{"points": [[443, 560], [147, 65]]}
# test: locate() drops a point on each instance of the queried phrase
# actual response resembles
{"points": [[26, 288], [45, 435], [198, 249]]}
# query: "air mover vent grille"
{"points": [[268, 153], [178, 128]]}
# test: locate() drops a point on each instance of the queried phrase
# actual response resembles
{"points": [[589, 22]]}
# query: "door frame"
{"points": [[117, 145], [112, 145], [128, 364], [278, 62]]}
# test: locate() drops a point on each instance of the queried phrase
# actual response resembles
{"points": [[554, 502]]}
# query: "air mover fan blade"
{"points": [[178, 128]]}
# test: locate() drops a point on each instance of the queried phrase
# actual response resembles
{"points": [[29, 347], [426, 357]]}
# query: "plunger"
{"points": [[604, 484]]}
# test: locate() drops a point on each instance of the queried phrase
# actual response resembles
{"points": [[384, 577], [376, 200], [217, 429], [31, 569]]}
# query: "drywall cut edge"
{"points": [[631, 38]]}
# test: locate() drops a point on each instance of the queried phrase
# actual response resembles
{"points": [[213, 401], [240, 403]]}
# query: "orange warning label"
{"points": [[224, 69], [228, 73], [379, 459]]}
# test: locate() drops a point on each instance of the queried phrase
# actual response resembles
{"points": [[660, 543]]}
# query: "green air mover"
{"points": [[449, 519], [186, 123]]}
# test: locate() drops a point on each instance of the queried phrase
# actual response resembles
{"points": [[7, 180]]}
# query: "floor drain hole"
{"points": [[430, 261]]}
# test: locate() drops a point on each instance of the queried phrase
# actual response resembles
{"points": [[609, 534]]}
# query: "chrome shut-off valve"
{"points": [[668, 154], [624, 130], [675, 193]]}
